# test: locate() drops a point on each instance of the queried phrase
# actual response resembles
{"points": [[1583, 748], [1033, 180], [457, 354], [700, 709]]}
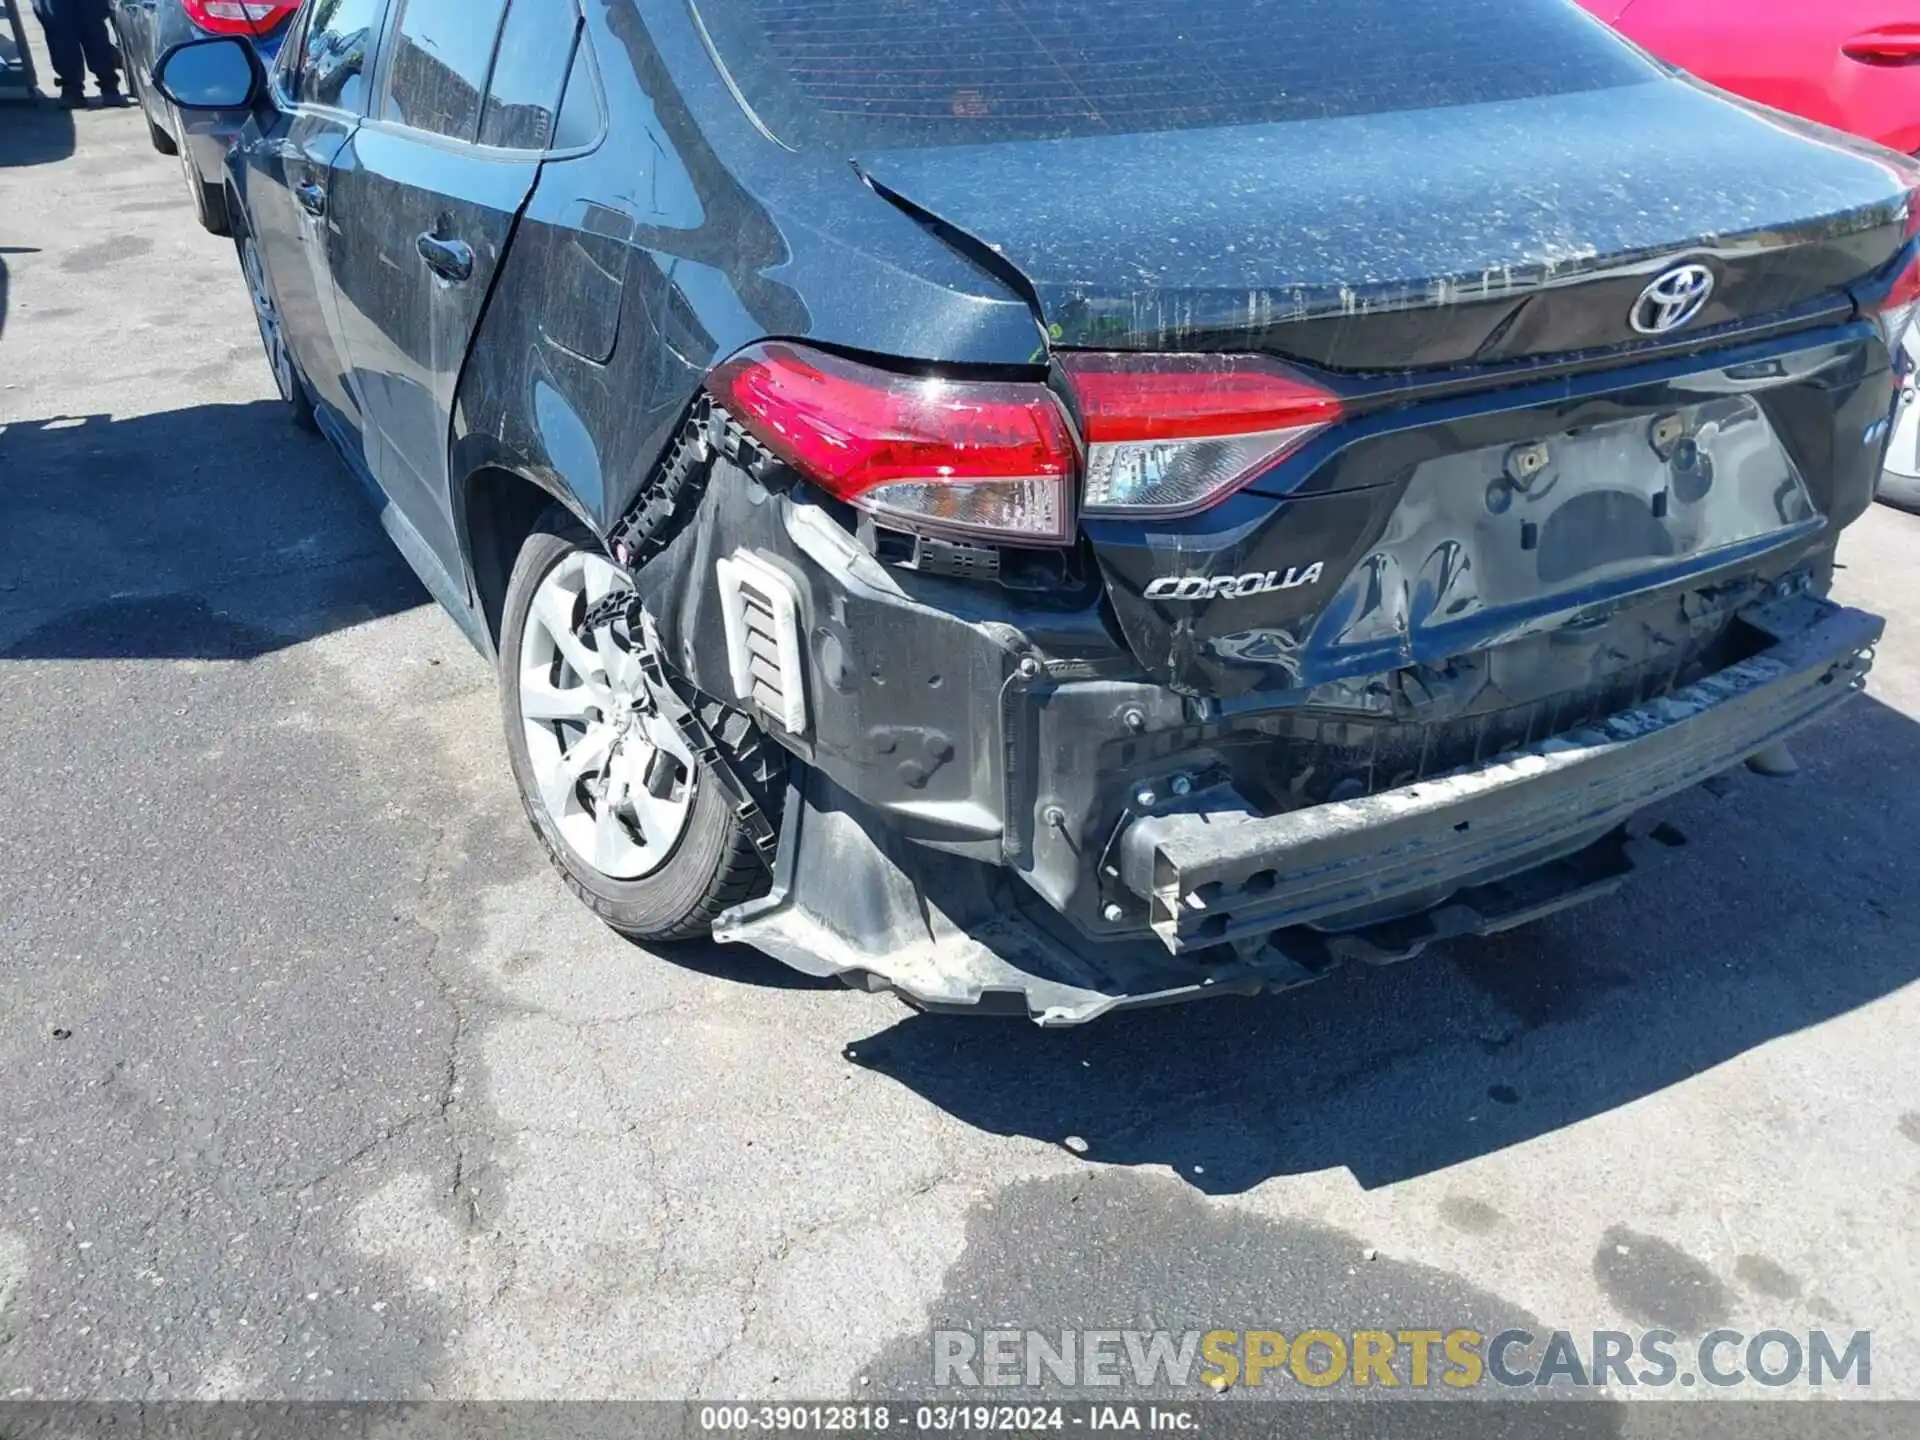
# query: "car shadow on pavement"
{"points": [[6, 250], [150, 536], [1790, 906], [738, 965], [34, 135]]}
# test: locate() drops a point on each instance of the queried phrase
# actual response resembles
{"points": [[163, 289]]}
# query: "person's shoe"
{"points": [[110, 98], [72, 100]]}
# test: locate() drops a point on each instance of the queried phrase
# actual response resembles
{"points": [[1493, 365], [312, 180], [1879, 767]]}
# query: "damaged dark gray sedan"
{"points": [[1050, 505]]}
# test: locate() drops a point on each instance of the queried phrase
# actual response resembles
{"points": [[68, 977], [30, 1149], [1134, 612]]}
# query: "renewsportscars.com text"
{"points": [[1416, 1359]]}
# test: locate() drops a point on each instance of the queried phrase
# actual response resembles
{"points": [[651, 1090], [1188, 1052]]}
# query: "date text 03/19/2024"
{"points": [[946, 1418]]}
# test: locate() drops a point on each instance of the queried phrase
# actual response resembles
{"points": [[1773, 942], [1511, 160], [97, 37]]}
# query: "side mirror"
{"points": [[223, 73]]}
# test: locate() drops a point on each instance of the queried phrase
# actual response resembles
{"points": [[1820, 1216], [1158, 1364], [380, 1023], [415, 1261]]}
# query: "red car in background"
{"points": [[1852, 64]]}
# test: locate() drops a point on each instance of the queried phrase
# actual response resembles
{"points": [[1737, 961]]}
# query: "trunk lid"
{"points": [[1475, 233], [1455, 526], [1458, 512]]}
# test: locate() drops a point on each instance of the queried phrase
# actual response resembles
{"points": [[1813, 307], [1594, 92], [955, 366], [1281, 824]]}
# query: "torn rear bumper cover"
{"points": [[1243, 903]]}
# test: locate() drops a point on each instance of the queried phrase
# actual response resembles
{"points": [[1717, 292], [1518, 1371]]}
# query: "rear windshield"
{"points": [[875, 74]]}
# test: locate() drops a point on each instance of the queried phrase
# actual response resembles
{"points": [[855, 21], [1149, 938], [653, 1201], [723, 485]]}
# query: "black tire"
{"points": [[162, 141], [713, 866], [1900, 491], [300, 407], [286, 370], [209, 201]]}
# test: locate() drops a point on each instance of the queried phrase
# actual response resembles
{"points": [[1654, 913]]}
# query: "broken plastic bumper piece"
{"points": [[1240, 903]]}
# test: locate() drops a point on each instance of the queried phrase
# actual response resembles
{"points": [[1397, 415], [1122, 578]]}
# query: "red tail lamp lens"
{"points": [[988, 458], [1894, 313], [1165, 435], [239, 17]]}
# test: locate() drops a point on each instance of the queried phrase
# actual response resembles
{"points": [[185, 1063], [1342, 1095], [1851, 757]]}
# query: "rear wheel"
{"points": [[630, 817], [156, 132], [273, 338], [1900, 491]]}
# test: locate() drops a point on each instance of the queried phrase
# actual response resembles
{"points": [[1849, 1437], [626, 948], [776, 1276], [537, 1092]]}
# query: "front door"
{"points": [[321, 84]]}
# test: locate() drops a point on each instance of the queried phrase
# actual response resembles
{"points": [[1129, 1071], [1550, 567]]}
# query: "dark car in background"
{"points": [[147, 29], [1060, 504]]}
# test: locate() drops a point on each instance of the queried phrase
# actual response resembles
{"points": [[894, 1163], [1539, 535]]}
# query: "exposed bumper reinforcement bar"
{"points": [[1212, 879], [1369, 882]]}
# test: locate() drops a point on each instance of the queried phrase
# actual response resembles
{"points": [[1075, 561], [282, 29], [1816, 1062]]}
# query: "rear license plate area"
{"points": [[1590, 514]]}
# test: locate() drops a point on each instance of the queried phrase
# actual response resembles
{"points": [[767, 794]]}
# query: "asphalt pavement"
{"points": [[315, 1082]]}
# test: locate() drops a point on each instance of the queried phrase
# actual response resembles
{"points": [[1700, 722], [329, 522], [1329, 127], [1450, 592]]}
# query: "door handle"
{"points": [[449, 259], [312, 197], [1889, 45]]}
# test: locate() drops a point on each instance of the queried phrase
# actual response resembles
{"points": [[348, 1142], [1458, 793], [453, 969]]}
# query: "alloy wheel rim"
{"points": [[613, 774], [268, 318]]}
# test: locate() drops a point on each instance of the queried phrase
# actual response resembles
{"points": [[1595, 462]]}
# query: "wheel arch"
{"points": [[498, 507]]}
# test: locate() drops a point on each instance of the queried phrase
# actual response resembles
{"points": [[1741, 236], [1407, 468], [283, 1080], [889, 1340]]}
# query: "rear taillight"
{"points": [[987, 458], [239, 17], [1896, 310], [1165, 435], [1173, 434]]}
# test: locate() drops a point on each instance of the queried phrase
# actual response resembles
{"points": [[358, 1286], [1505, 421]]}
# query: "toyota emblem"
{"points": [[1672, 300]]}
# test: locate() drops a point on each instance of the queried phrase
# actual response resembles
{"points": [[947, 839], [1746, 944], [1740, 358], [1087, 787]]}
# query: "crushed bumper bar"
{"points": [[1371, 881], [1212, 879]]}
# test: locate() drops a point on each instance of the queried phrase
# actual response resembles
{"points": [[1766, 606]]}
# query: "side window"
{"points": [[285, 69], [441, 54], [531, 72], [336, 52], [581, 119]]}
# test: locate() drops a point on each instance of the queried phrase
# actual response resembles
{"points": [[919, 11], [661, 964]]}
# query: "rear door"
{"points": [[425, 197]]}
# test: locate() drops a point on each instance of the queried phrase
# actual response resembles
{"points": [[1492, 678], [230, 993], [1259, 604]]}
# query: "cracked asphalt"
{"points": [[315, 1083]]}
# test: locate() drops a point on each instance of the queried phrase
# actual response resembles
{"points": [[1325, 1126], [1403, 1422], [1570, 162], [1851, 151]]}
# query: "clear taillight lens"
{"points": [[991, 458], [1896, 313], [996, 459], [1174, 434]]}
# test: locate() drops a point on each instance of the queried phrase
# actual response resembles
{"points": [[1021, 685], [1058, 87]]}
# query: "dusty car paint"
{"points": [[1516, 229], [485, 330]]}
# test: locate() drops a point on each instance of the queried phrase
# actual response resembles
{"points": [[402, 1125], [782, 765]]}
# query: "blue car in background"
{"points": [[147, 29]]}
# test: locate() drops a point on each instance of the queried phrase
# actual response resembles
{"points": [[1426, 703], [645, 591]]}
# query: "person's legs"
{"points": [[90, 17], [63, 47]]}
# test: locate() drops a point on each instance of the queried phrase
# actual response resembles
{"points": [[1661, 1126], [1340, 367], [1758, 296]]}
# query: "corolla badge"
{"points": [[1234, 587], [1672, 300]]}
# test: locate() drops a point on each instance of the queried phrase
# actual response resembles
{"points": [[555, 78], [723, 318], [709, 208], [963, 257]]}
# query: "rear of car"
{"points": [[148, 29], [1186, 496], [1432, 455]]}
